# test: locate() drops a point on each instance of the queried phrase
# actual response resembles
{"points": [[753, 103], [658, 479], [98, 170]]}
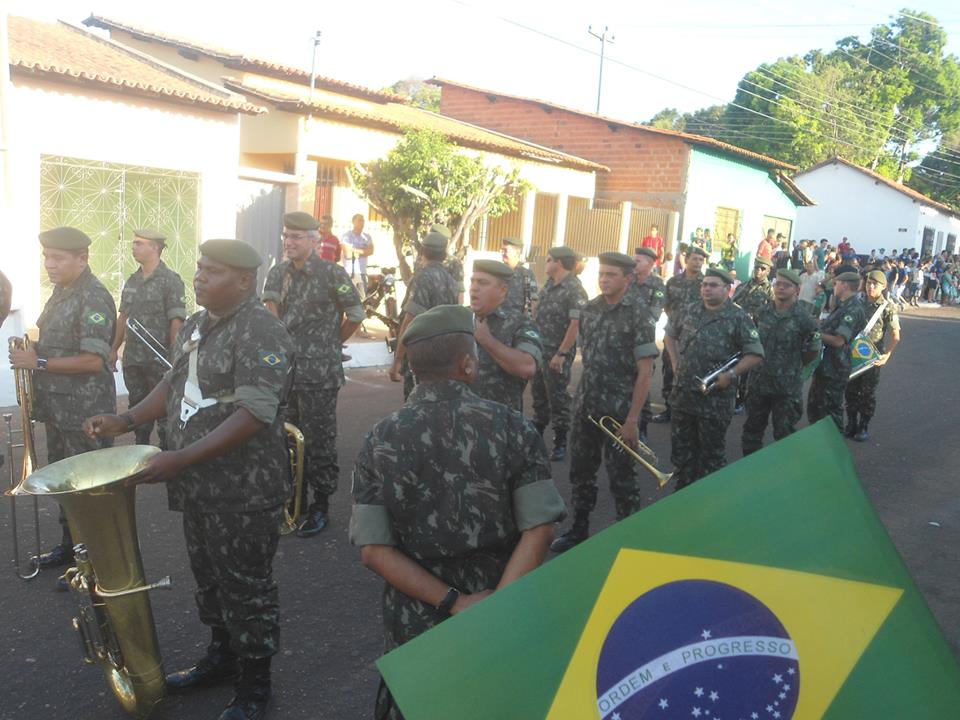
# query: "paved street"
{"points": [[330, 603]]}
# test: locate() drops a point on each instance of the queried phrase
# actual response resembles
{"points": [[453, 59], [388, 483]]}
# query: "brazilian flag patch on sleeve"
{"points": [[272, 359], [344, 289], [95, 317]]}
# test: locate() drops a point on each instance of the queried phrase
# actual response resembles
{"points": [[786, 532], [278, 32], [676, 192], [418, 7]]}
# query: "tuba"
{"points": [[115, 621], [294, 507], [609, 426]]}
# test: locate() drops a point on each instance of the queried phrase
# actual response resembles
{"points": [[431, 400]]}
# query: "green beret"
{"points": [[435, 240], [562, 251], [150, 234], [719, 273], [617, 259], [439, 320], [440, 228], [791, 275], [761, 260], [649, 252], [512, 241], [493, 267], [235, 253], [877, 276], [848, 277], [65, 238], [300, 220], [697, 250]]}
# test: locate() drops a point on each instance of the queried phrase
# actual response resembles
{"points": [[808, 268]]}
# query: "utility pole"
{"points": [[604, 40], [313, 63]]}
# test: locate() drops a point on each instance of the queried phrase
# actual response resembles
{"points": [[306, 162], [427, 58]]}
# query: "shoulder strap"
{"points": [[876, 316]]}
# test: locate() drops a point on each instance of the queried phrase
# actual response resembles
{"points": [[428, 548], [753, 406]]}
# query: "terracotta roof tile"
{"points": [[398, 117], [241, 61], [700, 140], [62, 51]]}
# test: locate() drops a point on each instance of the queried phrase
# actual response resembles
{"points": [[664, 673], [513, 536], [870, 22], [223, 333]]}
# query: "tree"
{"points": [[421, 94], [426, 179]]}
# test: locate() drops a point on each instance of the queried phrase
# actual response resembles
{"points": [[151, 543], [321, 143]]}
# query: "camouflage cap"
{"points": [[300, 220], [65, 238], [512, 241], [439, 320], [435, 240], [562, 251], [877, 276], [617, 259], [151, 234], [719, 273], [787, 274], [440, 228], [493, 267], [761, 260], [235, 253], [848, 277], [697, 250], [649, 252]]}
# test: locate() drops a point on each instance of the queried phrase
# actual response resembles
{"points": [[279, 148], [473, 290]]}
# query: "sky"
{"points": [[685, 55]]}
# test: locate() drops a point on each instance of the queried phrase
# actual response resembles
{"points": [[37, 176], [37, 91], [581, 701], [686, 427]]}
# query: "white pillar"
{"points": [[560, 225], [528, 211], [626, 208]]}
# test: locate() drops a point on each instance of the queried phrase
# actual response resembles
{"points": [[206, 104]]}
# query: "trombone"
{"points": [[610, 427], [24, 386], [148, 339]]}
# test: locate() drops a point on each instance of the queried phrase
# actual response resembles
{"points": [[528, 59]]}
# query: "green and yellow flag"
{"points": [[767, 591]]}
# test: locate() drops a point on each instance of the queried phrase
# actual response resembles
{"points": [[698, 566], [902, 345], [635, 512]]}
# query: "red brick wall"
{"points": [[645, 168]]}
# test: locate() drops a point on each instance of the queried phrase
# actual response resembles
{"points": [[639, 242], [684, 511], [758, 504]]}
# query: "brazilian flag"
{"points": [[767, 591]]}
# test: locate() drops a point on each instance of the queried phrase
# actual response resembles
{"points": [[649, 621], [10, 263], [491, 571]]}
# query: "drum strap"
{"points": [[876, 316]]}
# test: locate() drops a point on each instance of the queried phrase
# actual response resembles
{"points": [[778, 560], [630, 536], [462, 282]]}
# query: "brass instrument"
{"points": [[147, 338], [708, 381], [610, 426], [293, 509], [115, 622], [24, 386]]}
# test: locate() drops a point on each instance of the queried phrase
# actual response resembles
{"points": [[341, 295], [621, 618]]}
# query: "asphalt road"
{"points": [[330, 603]]}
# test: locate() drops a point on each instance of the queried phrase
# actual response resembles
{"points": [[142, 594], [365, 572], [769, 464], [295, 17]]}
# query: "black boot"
{"points": [[541, 427], [851, 429], [218, 665], [643, 430], [862, 435], [662, 417], [577, 533], [252, 691], [559, 446]]}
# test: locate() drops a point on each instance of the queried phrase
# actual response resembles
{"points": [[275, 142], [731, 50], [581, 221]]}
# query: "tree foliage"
{"points": [[421, 94], [426, 179]]}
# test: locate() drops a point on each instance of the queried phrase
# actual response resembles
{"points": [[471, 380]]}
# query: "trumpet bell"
{"points": [[87, 472]]}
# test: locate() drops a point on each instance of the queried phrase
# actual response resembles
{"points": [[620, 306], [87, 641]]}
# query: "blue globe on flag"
{"points": [[697, 649]]}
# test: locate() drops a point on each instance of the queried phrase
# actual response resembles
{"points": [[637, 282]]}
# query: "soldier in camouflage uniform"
{"points": [[790, 340], [825, 396], [522, 292], [431, 285], [226, 469], [154, 297], [682, 291], [558, 320], [321, 309], [861, 392], [651, 291], [509, 350], [71, 379], [453, 497], [707, 335], [753, 295], [618, 342]]}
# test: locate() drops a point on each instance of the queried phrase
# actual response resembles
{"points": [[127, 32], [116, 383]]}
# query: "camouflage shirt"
{"points": [[889, 320], [613, 339], [847, 321], [430, 286], [154, 301], [681, 292], [521, 290], [246, 355], [76, 319], [705, 340], [514, 330], [652, 293], [785, 337], [312, 302], [753, 295], [451, 480], [559, 304]]}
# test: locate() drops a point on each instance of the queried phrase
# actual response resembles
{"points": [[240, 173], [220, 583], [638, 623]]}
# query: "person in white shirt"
{"points": [[809, 279], [356, 247]]}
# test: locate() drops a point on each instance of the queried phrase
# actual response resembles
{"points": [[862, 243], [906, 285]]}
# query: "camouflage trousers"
{"points": [[786, 411], [861, 392], [231, 556], [825, 397], [62, 444], [588, 448], [551, 401], [140, 380], [314, 411], [697, 446]]}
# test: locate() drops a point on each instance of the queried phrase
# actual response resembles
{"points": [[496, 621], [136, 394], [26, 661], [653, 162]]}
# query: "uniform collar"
{"points": [[439, 391], [309, 267]]}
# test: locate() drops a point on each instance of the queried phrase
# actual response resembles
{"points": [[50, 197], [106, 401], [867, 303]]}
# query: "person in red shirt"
{"points": [[765, 250], [653, 240], [328, 244]]}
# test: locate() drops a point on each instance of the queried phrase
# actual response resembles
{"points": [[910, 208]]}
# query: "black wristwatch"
{"points": [[449, 600], [41, 363]]}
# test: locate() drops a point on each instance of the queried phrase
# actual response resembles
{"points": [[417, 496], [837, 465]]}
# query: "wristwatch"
{"points": [[449, 600], [41, 363]]}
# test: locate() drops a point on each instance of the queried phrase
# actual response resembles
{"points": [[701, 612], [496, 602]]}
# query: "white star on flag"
{"points": [[705, 634], [786, 687], [698, 692], [714, 696], [615, 716], [696, 712], [664, 704], [783, 696], [754, 716], [778, 679], [791, 671], [776, 714]]}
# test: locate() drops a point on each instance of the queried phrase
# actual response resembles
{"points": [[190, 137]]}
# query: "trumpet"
{"points": [[294, 507], [610, 427], [708, 381], [140, 331], [24, 386]]}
